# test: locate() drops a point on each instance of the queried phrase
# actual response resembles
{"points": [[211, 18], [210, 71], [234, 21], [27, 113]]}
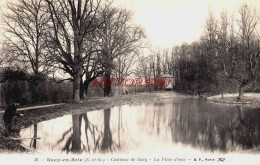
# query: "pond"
{"points": [[178, 124]]}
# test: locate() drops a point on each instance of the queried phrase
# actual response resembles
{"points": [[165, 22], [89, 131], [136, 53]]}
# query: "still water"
{"points": [[160, 126]]}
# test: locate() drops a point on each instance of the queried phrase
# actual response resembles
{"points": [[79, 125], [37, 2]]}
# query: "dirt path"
{"points": [[36, 107]]}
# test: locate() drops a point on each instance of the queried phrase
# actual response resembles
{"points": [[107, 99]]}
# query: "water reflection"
{"points": [[95, 139], [151, 127], [34, 139], [107, 139], [215, 127]]}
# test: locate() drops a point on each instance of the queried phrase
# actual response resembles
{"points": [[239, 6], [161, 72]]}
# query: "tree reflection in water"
{"points": [[212, 127], [107, 139], [34, 139], [96, 139], [197, 123]]}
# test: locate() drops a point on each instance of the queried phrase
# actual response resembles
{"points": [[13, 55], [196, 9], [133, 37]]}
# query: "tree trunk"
{"points": [[222, 90], [76, 89], [107, 85], [107, 139], [7, 98], [240, 92], [77, 70], [87, 82], [120, 87], [82, 89], [76, 143], [35, 136], [34, 90]]}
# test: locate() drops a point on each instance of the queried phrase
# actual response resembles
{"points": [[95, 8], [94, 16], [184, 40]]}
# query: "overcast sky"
{"points": [[172, 22]]}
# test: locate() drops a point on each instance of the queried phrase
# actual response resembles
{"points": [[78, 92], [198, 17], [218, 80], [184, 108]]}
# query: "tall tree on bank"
{"points": [[248, 55], [72, 21], [117, 37], [238, 51], [25, 23]]}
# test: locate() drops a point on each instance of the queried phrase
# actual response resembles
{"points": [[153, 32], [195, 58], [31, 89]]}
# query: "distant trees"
{"points": [[124, 67], [143, 68], [189, 64], [226, 56], [155, 64]]}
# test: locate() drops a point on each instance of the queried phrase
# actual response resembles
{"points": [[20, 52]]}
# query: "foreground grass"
{"points": [[37, 115]]}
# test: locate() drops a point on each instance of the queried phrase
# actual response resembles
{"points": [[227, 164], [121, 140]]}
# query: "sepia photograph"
{"points": [[171, 82]]}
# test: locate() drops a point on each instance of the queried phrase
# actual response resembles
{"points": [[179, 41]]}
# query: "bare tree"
{"points": [[124, 67], [72, 23], [25, 28], [238, 51], [248, 57], [143, 69], [223, 45], [25, 24], [117, 37], [155, 64], [92, 69]]}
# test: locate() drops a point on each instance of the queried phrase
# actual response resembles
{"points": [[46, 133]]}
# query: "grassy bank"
{"points": [[248, 98], [37, 115]]}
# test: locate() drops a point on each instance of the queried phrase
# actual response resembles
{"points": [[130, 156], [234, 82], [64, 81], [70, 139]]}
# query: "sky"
{"points": [[172, 22]]}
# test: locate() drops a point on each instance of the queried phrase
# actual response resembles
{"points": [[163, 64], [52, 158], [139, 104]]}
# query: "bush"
{"points": [[47, 92]]}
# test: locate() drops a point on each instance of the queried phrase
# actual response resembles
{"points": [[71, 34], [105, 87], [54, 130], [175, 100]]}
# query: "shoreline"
{"points": [[248, 99], [33, 116]]}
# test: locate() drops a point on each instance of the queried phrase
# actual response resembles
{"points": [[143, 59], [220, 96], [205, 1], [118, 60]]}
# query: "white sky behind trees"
{"points": [[172, 22]]}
